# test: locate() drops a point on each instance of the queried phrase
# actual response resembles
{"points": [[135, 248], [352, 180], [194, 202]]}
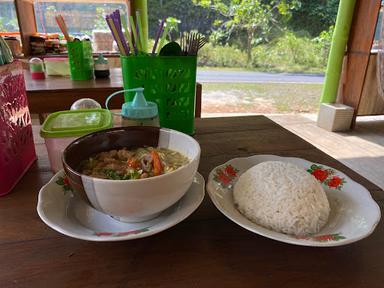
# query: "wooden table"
{"points": [[205, 250], [57, 93]]}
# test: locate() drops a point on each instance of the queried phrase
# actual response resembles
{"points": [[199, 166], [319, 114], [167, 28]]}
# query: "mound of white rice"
{"points": [[282, 197]]}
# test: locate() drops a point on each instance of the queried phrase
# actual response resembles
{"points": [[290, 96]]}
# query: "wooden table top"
{"points": [[56, 93], [59, 83], [205, 250]]}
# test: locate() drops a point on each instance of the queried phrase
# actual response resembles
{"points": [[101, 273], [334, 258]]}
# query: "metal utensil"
{"points": [[191, 43]]}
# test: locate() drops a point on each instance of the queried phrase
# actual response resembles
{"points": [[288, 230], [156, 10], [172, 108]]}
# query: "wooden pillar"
{"points": [[27, 24], [199, 91], [130, 7], [358, 51]]}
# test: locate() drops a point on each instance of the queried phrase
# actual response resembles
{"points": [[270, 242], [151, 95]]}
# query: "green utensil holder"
{"points": [[80, 60], [170, 81]]}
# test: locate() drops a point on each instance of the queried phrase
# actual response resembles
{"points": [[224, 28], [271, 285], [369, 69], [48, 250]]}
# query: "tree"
{"points": [[256, 17], [314, 16], [192, 17]]}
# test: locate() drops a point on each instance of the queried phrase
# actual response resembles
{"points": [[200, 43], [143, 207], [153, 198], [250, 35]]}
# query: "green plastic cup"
{"points": [[80, 60], [170, 81]]}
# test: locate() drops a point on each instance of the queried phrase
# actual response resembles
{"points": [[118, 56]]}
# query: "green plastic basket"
{"points": [[80, 60], [170, 81]]}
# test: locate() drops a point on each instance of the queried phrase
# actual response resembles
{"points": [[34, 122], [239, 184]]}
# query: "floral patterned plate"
{"points": [[354, 214], [66, 213]]}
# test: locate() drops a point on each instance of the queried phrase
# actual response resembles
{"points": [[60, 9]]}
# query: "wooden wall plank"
{"points": [[358, 50], [371, 102]]}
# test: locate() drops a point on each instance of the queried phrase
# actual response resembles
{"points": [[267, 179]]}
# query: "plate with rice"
{"points": [[293, 200]]}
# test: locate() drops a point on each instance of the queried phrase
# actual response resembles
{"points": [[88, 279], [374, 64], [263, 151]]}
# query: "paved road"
{"points": [[207, 76]]}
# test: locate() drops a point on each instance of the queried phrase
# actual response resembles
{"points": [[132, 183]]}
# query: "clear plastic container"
{"points": [[57, 66], [36, 66], [61, 128]]}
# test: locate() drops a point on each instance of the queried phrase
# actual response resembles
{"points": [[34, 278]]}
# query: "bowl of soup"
{"points": [[132, 173]]}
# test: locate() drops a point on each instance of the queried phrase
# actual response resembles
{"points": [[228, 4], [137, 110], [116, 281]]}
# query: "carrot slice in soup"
{"points": [[157, 167]]}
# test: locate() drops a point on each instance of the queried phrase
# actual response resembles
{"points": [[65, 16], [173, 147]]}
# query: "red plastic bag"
{"points": [[17, 149]]}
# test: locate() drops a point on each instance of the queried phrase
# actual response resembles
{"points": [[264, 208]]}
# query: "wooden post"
{"points": [[130, 8], [27, 23], [358, 51]]}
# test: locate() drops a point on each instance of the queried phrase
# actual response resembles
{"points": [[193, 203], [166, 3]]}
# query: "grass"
{"points": [[283, 69], [260, 97], [280, 69]]}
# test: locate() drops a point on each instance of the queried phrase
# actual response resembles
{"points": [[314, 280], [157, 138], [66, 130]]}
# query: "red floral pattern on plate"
{"points": [[324, 238], [326, 176], [225, 176], [64, 183], [120, 234]]}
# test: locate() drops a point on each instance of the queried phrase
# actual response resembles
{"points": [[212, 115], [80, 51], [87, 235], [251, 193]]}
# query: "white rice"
{"points": [[282, 197]]}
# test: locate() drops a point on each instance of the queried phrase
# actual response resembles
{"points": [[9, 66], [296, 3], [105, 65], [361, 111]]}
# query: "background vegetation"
{"points": [[264, 35], [269, 35]]}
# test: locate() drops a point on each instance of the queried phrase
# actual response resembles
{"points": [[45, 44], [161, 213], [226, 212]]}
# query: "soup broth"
{"points": [[140, 163]]}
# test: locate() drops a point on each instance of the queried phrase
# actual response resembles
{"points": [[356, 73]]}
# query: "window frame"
{"points": [[25, 13]]}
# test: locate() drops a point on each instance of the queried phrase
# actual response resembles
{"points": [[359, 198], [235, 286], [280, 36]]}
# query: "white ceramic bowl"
{"points": [[132, 200]]}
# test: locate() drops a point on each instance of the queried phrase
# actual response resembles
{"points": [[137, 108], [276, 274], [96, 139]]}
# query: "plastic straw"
{"points": [[127, 34], [133, 29], [116, 15], [117, 22], [142, 7], [141, 35], [111, 25], [161, 27]]}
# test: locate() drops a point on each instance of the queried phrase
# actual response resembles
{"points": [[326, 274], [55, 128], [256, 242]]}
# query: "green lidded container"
{"points": [[80, 60], [63, 127], [74, 123], [169, 81]]}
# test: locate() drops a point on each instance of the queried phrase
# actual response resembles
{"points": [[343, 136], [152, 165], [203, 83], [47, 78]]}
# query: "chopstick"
{"points": [[63, 27]]}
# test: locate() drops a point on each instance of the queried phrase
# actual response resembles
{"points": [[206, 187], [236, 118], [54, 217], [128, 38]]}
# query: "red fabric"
{"points": [[17, 149]]}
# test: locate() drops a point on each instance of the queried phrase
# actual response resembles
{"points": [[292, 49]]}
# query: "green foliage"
{"points": [[324, 41], [100, 22], [192, 17], [255, 17], [288, 53], [292, 53], [314, 16], [173, 27], [8, 19], [221, 56], [2, 27]]}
